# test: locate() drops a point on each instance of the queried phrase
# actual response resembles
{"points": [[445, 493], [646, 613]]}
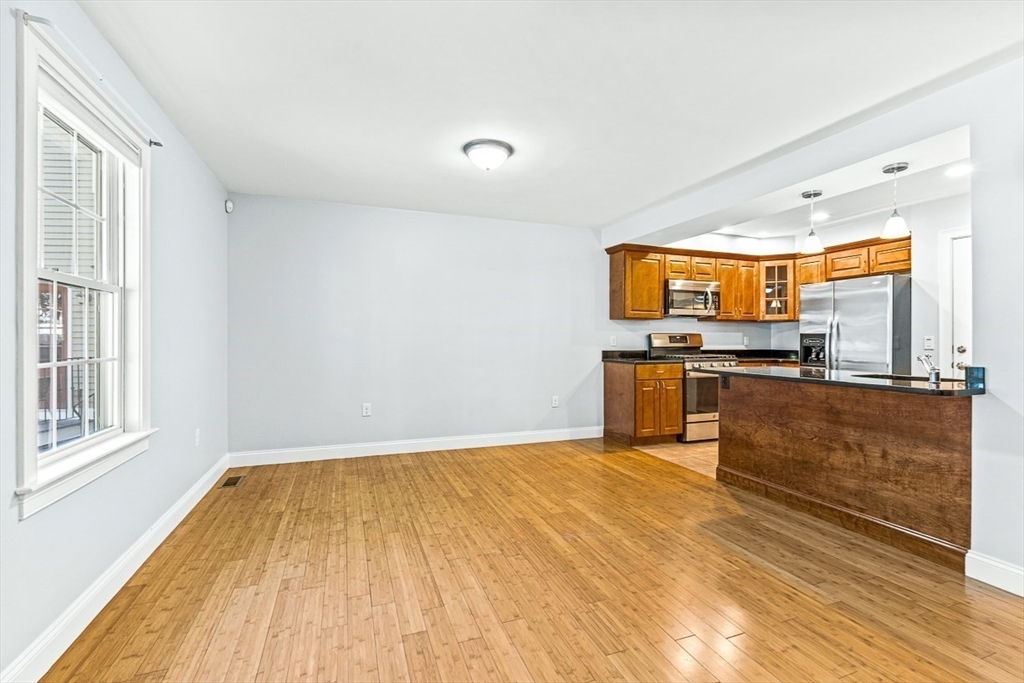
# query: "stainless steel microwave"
{"points": [[692, 297]]}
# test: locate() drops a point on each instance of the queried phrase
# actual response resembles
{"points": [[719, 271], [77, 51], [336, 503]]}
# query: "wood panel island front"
{"points": [[889, 458]]}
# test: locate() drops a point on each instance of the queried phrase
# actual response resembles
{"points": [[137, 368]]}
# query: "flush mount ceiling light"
{"points": [[896, 225], [488, 154], [812, 245], [821, 216]]}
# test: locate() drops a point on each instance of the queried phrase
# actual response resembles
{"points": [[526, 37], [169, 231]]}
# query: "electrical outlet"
{"points": [[554, 401], [614, 342], [366, 410], [197, 437], [929, 343], [746, 341]]}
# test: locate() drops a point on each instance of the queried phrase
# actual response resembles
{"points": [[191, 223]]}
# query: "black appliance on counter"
{"points": [[700, 390]]}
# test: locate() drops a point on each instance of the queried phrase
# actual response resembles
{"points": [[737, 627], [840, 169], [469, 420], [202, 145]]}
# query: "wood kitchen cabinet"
{"points": [[637, 285], [703, 268], [846, 263], [808, 270], [739, 295], [892, 257], [677, 267], [643, 402], [776, 290]]}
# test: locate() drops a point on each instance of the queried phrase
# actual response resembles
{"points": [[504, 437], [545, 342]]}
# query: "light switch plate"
{"points": [[929, 343]]}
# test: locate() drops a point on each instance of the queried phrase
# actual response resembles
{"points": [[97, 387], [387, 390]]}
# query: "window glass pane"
{"points": [[101, 396], [88, 179], [100, 334], [88, 245], [68, 406], [46, 321], [44, 409], [57, 158], [70, 322], [57, 221]]}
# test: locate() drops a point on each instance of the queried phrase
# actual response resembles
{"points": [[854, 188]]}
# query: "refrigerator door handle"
{"points": [[828, 344], [833, 350]]}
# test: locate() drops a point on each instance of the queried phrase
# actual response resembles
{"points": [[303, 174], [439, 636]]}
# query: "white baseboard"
{"points": [[995, 572], [358, 450], [37, 659]]}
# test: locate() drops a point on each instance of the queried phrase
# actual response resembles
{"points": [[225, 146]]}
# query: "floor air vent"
{"points": [[232, 482]]}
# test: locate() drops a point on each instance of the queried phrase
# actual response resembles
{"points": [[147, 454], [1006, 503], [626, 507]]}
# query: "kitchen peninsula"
{"points": [[886, 457]]}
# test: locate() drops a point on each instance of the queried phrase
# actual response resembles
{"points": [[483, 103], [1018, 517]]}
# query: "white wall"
{"points": [[992, 104], [448, 325], [49, 559]]}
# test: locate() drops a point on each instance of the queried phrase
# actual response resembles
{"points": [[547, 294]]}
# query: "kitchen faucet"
{"points": [[932, 368]]}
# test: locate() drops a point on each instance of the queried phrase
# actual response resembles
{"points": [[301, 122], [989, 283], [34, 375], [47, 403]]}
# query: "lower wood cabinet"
{"points": [[643, 403]]}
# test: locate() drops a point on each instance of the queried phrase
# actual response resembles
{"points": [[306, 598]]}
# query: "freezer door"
{"points": [[815, 308], [862, 325]]}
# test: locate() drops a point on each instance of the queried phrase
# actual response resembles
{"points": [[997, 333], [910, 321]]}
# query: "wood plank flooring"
{"points": [[699, 456], [574, 561]]}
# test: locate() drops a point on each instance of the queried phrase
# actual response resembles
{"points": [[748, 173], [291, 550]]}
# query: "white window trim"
{"points": [[40, 485]]}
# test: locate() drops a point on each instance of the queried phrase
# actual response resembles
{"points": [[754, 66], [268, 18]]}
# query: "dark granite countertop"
{"points": [[848, 378], [640, 356]]}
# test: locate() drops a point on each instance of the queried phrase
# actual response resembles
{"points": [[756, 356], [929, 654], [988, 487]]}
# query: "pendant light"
{"points": [[896, 225], [487, 154], [812, 245]]}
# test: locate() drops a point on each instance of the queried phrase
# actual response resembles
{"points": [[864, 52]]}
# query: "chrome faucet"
{"points": [[931, 367]]}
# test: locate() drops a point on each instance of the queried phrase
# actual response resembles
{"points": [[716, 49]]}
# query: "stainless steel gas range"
{"points": [[700, 392]]}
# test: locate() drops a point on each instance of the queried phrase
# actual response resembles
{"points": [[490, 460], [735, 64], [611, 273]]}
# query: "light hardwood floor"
{"points": [[699, 456], [580, 561]]}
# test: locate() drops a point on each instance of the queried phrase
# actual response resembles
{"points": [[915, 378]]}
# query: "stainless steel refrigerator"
{"points": [[861, 324]]}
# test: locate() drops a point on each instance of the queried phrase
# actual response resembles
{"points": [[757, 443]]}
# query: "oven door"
{"points": [[701, 406]]}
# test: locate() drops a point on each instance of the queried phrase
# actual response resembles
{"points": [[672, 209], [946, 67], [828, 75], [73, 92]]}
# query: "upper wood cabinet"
{"points": [[740, 295], [753, 288], [846, 263], [677, 267], [806, 271], [892, 257], [637, 285], [777, 295], [703, 268]]}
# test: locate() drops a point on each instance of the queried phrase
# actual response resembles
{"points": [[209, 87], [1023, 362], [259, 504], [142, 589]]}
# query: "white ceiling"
{"points": [[611, 106], [848, 193]]}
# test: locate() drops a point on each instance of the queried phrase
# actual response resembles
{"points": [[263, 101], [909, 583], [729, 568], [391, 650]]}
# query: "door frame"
{"points": [[945, 278]]}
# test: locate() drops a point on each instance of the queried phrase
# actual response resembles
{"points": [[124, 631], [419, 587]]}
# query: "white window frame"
{"points": [[43, 480]]}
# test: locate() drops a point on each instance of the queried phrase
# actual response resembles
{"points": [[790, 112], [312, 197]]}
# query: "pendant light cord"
{"points": [[895, 174]]}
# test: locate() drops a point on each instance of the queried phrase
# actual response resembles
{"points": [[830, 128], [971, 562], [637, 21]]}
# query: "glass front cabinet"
{"points": [[777, 296]]}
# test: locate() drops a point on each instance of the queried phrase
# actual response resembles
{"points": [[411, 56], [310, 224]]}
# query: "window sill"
{"points": [[67, 475]]}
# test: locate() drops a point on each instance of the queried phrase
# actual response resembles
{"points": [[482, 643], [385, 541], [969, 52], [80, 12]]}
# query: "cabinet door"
{"points": [[893, 257], [846, 263], [747, 290], [703, 268], [728, 276], [776, 290], [671, 400], [644, 282], [677, 267], [808, 270], [647, 408]]}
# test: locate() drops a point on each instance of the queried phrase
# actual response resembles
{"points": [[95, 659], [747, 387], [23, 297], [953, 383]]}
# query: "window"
{"points": [[83, 380]]}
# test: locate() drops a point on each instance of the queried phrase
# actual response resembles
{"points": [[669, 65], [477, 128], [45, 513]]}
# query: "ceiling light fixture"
{"points": [[959, 170], [896, 225], [487, 154], [812, 245]]}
